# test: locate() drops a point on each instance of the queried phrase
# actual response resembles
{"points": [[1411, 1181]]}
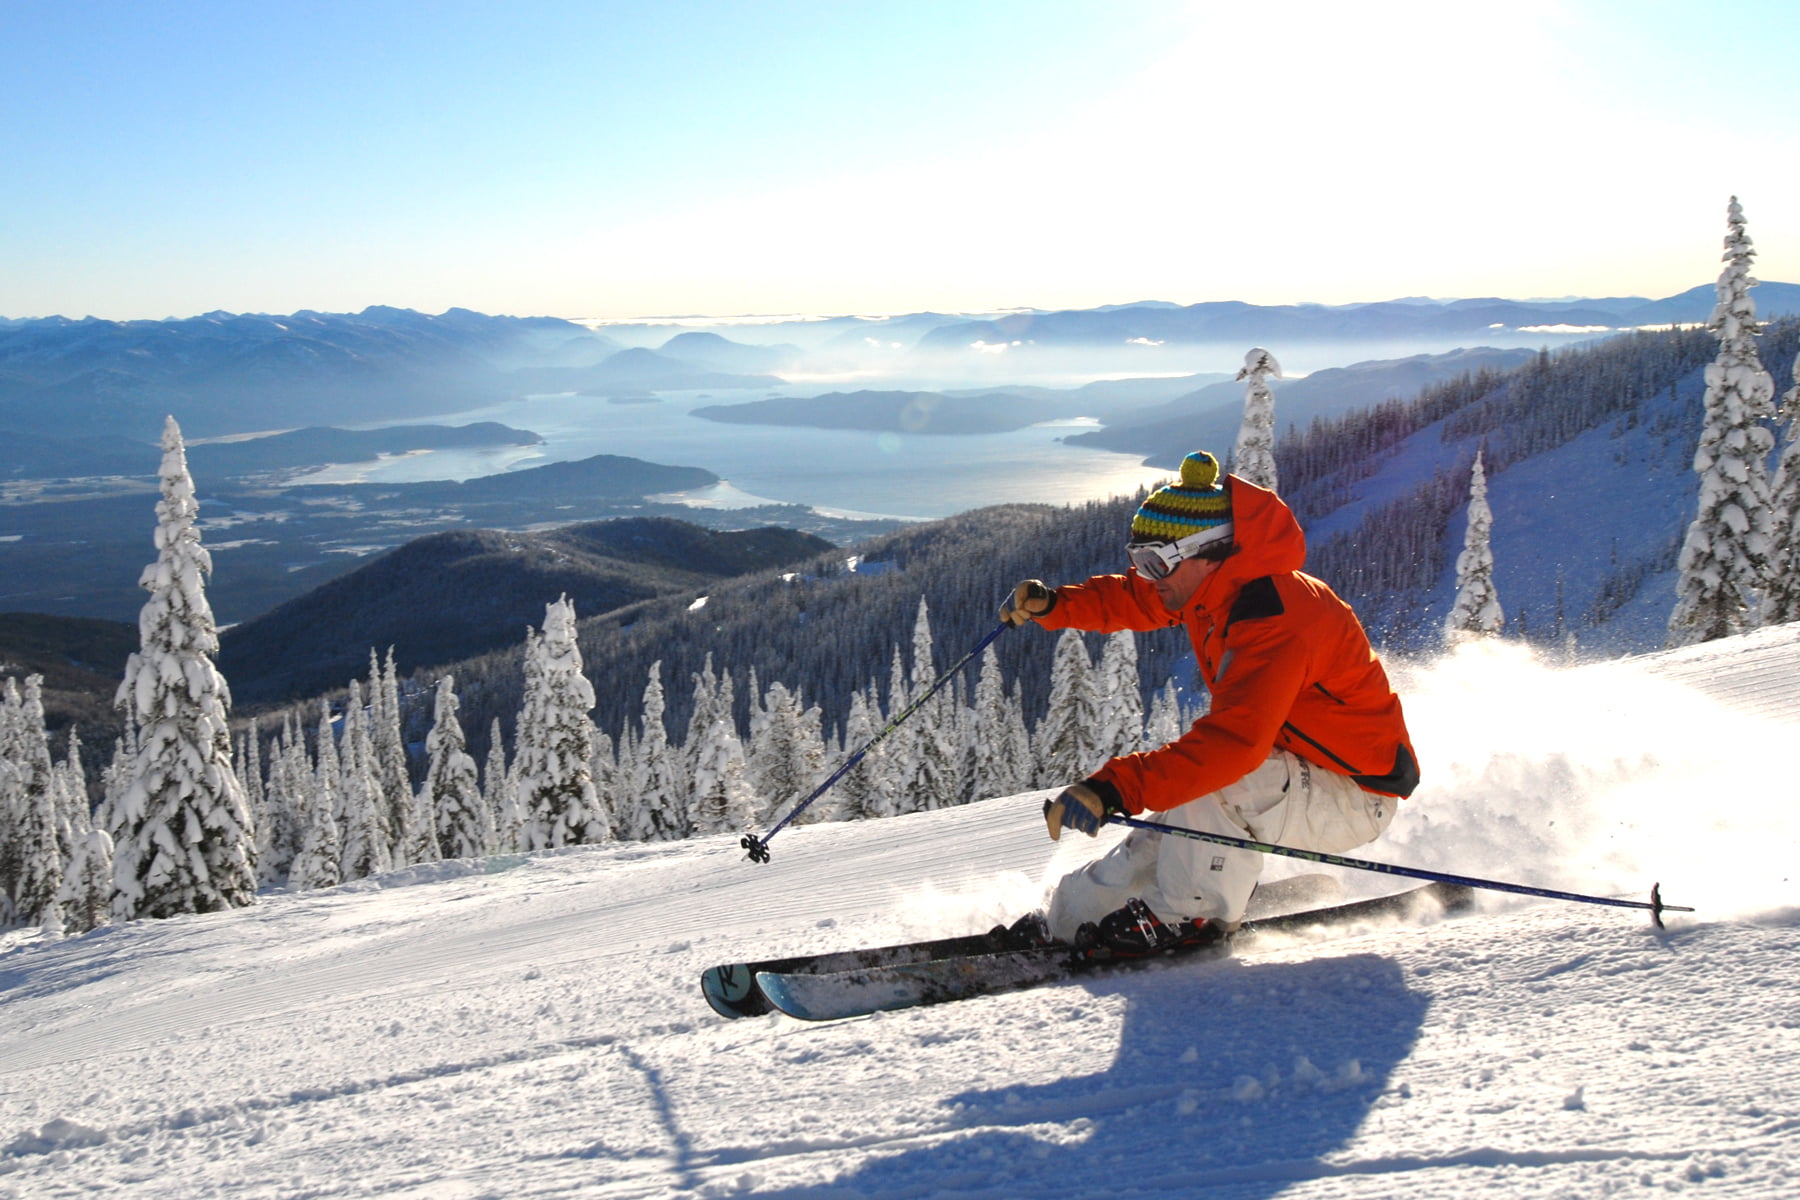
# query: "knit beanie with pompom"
{"points": [[1197, 508]]}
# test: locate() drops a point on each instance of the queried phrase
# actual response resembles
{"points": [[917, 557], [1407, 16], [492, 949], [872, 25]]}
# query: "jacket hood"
{"points": [[1269, 541]]}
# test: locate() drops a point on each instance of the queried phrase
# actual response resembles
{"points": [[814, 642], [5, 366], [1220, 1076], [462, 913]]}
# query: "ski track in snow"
{"points": [[532, 1026]]}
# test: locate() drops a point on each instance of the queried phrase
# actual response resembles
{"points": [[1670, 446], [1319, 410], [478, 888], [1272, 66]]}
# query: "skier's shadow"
{"points": [[1229, 1078]]}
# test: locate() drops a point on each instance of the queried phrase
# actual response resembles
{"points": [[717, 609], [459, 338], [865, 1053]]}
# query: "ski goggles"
{"points": [[1157, 560], [1153, 560]]}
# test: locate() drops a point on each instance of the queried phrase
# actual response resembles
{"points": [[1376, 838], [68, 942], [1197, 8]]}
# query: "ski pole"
{"points": [[758, 847], [1654, 904]]}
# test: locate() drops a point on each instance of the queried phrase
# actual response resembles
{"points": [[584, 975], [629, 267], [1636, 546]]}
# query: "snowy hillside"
{"points": [[532, 1025]]}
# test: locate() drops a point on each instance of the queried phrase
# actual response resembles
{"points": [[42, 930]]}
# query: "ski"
{"points": [[859, 991], [732, 991], [731, 987]]}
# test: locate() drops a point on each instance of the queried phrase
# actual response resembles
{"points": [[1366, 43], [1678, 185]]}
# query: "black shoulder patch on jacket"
{"points": [[1256, 600]]}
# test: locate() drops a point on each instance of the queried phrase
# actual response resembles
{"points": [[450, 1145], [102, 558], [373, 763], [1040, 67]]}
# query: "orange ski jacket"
{"points": [[1286, 661]]}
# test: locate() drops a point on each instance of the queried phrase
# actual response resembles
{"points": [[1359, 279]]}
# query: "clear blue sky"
{"points": [[615, 159]]}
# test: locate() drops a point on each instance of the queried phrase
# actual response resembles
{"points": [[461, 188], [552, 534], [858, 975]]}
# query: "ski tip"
{"points": [[775, 989], [731, 990]]}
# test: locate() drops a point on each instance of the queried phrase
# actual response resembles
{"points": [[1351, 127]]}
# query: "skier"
{"points": [[1305, 744]]}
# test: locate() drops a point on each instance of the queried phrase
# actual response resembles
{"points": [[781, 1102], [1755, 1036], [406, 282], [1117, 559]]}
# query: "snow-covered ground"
{"points": [[533, 1026]]}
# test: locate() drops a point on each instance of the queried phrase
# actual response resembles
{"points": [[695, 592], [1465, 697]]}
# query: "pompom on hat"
{"points": [[1195, 511]]}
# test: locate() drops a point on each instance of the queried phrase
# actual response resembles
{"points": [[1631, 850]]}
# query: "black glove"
{"points": [[1029, 601], [1081, 807]]}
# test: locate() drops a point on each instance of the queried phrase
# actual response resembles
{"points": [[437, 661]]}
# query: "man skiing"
{"points": [[1305, 744]]}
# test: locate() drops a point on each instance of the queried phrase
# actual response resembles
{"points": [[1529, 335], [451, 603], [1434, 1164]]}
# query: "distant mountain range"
{"points": [[1234, 321], [225, 373]]}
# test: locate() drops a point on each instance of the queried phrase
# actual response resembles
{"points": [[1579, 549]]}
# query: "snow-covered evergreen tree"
{"points": [[656, 785], [999, 752], [784, 761], [935, 779], [1118, 697], [501, 797], [900, 748], [1063, 742], [368, 845], [1781, 604], [115, 779], [85, 898], [34, 792], [1253, 458], [1725, 558], [319, 861], [250, 774], [285, 798], [551, 766], [701, 718], [184, 842], [465, 829], [393, 780], [74, 807], [722, 799], [631, 816], [861, 793], [1476, 612]]}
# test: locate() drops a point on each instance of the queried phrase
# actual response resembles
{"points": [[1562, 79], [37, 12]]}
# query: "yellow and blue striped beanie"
{"points": [[1196, 505]]}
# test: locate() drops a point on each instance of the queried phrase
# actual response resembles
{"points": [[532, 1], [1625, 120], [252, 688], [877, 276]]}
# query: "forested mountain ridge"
{"points": [[451, 595]]}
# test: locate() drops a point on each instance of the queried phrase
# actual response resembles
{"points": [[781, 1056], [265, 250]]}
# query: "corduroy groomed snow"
{"points": [[1195, 504]]}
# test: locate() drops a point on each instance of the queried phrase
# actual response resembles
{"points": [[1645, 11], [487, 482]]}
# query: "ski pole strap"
{"points": [[1654, 904], [758, 847]]}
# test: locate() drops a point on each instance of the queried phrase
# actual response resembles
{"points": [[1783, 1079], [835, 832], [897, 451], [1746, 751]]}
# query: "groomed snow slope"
{"points": [[532, 1026]]}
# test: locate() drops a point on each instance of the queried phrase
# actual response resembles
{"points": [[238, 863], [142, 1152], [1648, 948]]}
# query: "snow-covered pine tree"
{"points": [[901, 746], [1063, 741], [389, 766], [551, 766], [86, 895], [285, 795], [1725, 559], [319, 861], [775, 756], [722, 799], [34, 789], [859, 793], [631, 816], [603, 767], [183, 842], [996, 768], [1253, 458], [1781, 604], [808, 742], [656, 784], [74, 812], [115, 779], [465, 829], [936, 780], [1476, 612], [11, 795], [501, 798], [250, 774], [1118, 697], [367, 842], [706, 698]]}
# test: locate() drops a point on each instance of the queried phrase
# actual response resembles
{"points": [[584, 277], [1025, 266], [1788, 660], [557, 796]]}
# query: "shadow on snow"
{"points": [[1230, 1080]]}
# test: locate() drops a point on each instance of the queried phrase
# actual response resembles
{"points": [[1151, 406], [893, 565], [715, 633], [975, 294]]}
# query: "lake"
{"points": [[840, 472]]}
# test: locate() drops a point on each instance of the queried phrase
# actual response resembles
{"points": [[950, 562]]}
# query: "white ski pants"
{"points": [[1287, 802]]}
